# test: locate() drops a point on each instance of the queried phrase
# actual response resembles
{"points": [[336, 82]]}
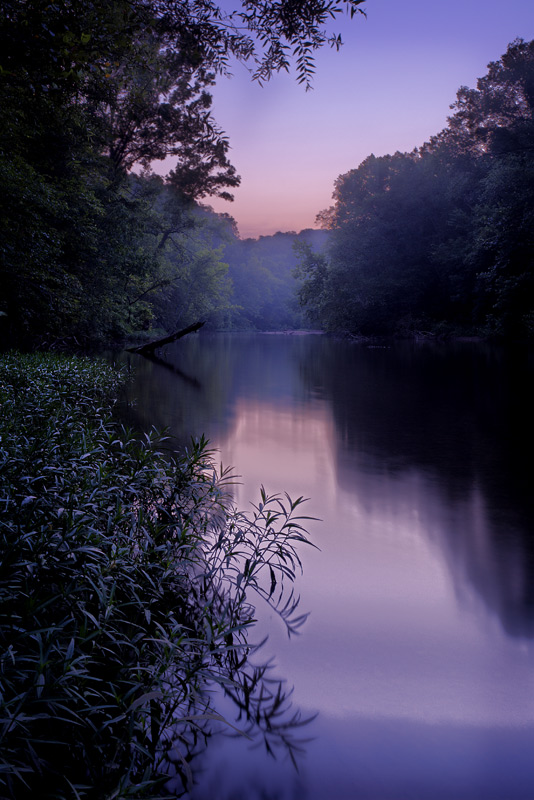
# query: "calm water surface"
{"points": [[419, 650]]}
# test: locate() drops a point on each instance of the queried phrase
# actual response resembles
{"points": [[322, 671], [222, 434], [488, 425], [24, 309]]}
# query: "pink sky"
{"points": [[388, 89]]}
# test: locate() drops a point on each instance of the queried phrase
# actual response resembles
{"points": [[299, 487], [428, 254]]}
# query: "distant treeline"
{"points": [[262, 275], [442, 238]]}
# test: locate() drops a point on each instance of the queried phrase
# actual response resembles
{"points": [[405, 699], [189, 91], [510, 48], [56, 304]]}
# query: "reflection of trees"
{"points": [[181, 389], [175, 371], [192, 388], [461, 413]]}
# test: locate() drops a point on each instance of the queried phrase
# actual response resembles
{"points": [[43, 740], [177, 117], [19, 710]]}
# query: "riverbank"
{"points": [[123, 585]]}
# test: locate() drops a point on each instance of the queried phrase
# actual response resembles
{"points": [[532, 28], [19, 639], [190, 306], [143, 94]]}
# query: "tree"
{"points": [[88, 90], [388, 216], [494, 123], [502, 249], [442, 236], [496, 117]]}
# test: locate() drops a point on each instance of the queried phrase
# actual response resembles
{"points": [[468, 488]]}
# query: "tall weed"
{"points": [[127, 584]]}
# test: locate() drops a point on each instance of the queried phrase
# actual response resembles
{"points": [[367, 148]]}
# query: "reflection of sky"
{"points": [[421, 695], [418, 652], [400, 634]]}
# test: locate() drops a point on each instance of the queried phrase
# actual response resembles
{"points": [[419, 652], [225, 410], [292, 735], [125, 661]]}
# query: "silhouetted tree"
{"points": [[440, 238]]}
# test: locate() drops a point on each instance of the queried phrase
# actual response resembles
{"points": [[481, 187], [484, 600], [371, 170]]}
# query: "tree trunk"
{"points": [[148, 348]]}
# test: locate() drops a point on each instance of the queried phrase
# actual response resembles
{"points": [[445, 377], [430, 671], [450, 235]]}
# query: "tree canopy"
{"points": [[439, 239]]}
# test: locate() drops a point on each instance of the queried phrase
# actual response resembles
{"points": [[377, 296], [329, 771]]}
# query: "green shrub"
{"points": [[125, 593]]}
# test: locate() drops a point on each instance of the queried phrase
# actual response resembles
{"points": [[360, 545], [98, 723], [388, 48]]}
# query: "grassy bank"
{"points": [[125, 588]]}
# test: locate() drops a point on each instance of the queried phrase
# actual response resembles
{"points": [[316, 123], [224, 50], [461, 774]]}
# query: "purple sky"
{"points": [[388, 89]]}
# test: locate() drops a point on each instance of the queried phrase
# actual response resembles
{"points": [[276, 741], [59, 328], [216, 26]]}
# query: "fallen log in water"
{"points": [[149, 348]]}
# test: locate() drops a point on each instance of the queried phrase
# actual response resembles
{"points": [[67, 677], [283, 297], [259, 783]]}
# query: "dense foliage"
{"points": [[88, 90], [440, 239], [126, 580]]}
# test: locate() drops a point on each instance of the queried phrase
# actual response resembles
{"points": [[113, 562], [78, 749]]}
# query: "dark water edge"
{"points": [[418, 653]]}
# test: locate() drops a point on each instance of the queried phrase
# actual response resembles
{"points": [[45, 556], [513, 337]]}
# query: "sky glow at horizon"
{"points": [[389, 89]]}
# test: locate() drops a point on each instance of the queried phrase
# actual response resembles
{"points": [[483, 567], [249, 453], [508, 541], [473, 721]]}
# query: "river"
{"points": [[418, 654]]}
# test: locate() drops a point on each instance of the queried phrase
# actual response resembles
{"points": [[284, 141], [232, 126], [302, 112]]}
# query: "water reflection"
{"points": [[434, 438], [460, 417], [419, 651]]}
